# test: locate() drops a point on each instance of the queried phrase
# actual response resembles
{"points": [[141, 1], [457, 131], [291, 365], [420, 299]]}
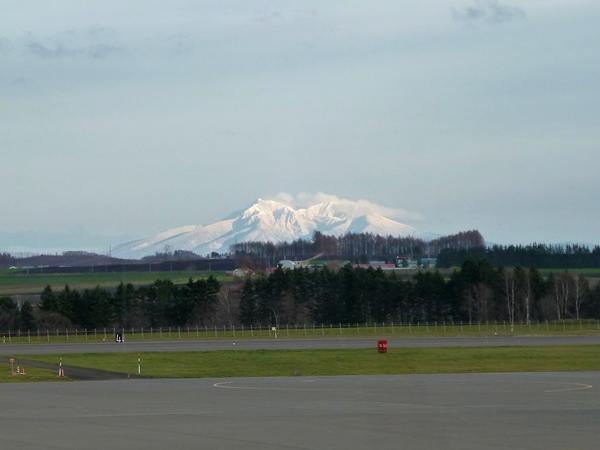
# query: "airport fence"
{"points": [[305, 331]]}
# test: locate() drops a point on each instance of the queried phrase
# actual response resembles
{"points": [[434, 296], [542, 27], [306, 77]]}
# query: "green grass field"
{"points": [[270, 363], [12, 283]]}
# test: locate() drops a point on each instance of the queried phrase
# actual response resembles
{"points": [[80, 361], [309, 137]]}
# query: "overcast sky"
{"points": [[126, 118]]}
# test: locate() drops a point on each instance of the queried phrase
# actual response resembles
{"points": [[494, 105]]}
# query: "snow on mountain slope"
{"points": [[266, 220]]}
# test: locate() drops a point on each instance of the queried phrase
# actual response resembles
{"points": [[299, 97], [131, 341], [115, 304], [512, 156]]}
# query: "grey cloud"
{"points": [[94, 43], [60, 51], [39, 49], [487, 12]]}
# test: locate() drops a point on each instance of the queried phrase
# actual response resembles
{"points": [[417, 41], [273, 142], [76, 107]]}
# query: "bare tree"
{"points": [[228, 309], [581, 289], [525, 291], [509, 285], [562, 293], [481, 296]]}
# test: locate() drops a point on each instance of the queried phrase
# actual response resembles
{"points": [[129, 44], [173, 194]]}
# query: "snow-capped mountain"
{"points": [[267, 220]]}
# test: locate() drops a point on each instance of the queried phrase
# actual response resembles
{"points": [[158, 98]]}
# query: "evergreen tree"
{"points": [[48, 300], [247, 311], [26, 317]]}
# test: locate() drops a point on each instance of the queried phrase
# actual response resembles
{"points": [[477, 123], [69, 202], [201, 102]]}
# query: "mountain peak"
{"points": [[268, 220]]}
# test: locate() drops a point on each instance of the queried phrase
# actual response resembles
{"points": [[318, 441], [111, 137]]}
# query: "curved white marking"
{"points": [[580, 387], [250, 388]]}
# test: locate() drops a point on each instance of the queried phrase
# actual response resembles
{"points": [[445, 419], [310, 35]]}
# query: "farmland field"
{"points": [[21, 283]]}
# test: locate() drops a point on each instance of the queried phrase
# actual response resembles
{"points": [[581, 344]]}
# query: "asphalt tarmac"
{"points": [[546, 411], [531, 411]]}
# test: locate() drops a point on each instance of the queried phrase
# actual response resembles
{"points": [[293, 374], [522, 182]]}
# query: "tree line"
{"points": [[543, 256], [477, 292], [163, 303], [357, 247]]}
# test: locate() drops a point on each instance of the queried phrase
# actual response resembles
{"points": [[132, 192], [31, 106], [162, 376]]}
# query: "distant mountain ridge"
{"points": [[266, 220]]}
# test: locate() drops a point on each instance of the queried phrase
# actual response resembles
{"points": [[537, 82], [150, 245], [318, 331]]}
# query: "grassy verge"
{"points": [[32, 375], [268, 363]]}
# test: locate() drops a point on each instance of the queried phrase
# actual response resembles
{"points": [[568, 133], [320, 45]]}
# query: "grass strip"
{"points": [[270, 363]]}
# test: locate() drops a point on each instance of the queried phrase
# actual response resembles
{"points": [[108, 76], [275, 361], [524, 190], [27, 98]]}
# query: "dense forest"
{"points": [[161, 303], [477, 292], [542, 256]]}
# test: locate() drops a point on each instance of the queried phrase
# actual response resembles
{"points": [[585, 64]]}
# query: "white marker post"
{"points": [[12, 366], [60, 368], [139, 364]]}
